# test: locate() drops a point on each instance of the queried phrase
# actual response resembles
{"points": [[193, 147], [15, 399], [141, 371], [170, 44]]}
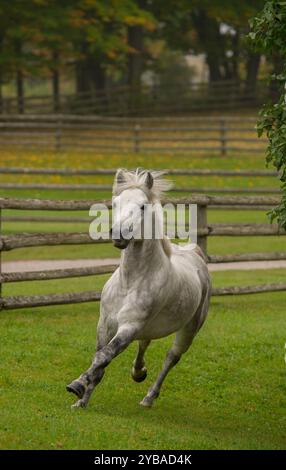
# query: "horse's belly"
{"points": [[166, 323]]}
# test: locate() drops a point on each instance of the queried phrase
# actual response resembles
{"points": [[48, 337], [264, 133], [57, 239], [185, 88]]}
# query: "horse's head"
{"points": [[132, 195]]}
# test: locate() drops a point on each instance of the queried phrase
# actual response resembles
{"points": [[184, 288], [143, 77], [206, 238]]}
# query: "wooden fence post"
{"points": [[136, 138], [202, 223], [223, 130]]}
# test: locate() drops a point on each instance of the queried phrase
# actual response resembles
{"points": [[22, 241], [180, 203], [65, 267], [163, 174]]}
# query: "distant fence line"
{"points": [[11, 242], [145, 100], [178, 134]]}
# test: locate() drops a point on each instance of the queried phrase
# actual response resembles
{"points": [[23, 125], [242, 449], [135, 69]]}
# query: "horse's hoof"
{"points": [[146, 402], [139, 376], [78, 404], [77, 388]]}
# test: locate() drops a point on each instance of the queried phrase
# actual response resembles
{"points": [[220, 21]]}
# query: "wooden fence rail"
{"points": [[112, 171], [9, 242], [60, 132], [65, 172], [85, 204], [108, 187]]}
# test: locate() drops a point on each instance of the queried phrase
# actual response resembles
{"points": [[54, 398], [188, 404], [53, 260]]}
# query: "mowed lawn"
{"points": [[228, 391]]}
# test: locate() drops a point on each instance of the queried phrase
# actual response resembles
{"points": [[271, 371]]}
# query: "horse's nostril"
{"points": [[131, 228]]}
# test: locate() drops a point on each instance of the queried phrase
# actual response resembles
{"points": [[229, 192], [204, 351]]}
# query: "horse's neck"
{"points": [[139, 258]]}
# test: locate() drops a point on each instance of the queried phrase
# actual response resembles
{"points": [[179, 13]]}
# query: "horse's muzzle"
{"points": [[121, 243]]}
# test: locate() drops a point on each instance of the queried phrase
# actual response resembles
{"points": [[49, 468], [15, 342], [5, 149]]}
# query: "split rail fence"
{"points": [[12, 242], [203, 135], [72, 172]]}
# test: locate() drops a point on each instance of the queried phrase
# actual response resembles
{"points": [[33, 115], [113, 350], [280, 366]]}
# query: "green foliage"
{"points": [[40, 35], [43, 35], [268, 34]]}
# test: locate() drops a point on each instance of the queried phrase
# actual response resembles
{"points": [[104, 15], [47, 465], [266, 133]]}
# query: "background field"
{"points": [[217, 245]]}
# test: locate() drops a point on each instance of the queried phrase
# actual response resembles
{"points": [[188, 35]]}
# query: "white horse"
{"points": [[159, 289]]}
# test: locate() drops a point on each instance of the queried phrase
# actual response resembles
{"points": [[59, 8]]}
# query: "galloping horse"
{"points": [[158, 289]]}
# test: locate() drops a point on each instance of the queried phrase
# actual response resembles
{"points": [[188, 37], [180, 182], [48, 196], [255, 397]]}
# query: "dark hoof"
{"points": [[77, 388], [139, 376]]}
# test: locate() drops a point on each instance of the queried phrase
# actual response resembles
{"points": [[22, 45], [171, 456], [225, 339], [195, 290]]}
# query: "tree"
{"points": [[100, 38], [215, 28], [268, 33], [40, 37]]}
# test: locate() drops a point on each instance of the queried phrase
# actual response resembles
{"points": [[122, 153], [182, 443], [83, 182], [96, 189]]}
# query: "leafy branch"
{"points": [[268, 35]]}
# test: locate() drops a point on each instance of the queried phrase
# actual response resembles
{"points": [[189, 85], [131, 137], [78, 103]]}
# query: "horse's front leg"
{"points": [[84, 385], [87, 390]]}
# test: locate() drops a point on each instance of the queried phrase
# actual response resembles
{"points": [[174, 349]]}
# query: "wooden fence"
{"points": [[69, 172], [11, 242], [200, 135], [145, 100]]}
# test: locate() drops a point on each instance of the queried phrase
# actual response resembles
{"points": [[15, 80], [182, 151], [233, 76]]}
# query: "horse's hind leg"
{"points": [[139, 371], [182, 342]]}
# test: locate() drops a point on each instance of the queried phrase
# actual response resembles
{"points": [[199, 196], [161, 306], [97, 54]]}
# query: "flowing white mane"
{"points": [[126, 179]]}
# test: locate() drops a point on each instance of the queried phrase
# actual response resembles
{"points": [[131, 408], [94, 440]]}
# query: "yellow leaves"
{"points": [[144, 21], [112, 54]]}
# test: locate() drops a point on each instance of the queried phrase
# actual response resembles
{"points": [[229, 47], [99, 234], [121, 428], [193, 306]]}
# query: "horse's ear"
{"points": [[149, 180], [119, 177]]}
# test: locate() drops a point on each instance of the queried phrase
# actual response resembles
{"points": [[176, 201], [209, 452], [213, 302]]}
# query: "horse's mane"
{"points": [[137, 179]]}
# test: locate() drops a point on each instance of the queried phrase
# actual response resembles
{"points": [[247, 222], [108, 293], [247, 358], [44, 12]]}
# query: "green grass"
{"points": [[228, 392], [38, 159]]}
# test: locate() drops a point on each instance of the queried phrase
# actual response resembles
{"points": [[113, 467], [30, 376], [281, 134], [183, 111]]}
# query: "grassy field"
{"points": [[89, 160], [228, 392]]}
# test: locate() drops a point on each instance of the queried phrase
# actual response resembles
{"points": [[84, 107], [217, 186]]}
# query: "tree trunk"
{"points": [[252, 67], [90, 75], [96, 74], [81, 71], [56, 82], [235, 57], [20, 91], [214, 69], [19, 80], [135, 59], [211, 42], [82, 81]]}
